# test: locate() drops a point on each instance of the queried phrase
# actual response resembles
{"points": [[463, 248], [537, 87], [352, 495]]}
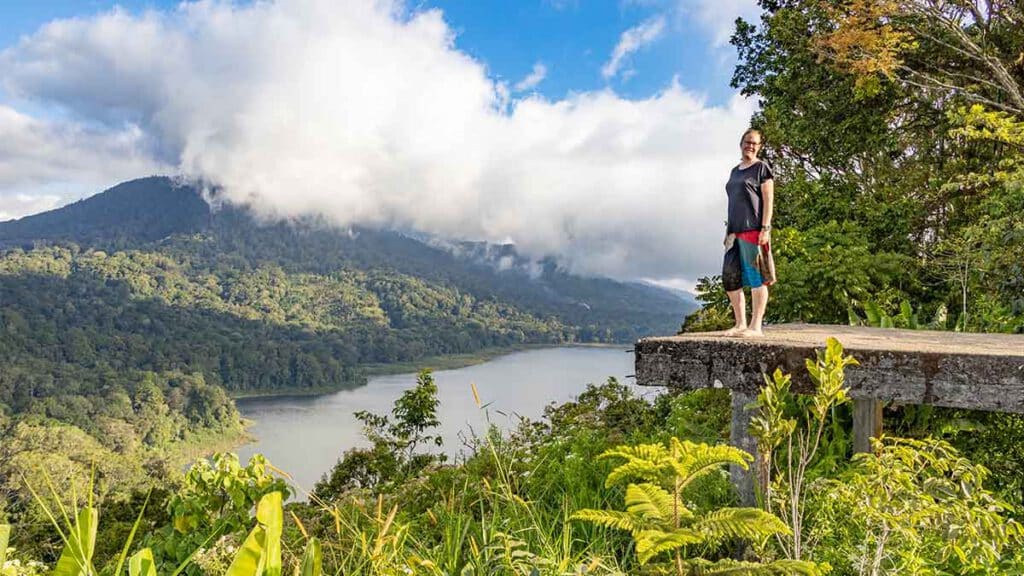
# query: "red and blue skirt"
{"points": [[747, 263]]}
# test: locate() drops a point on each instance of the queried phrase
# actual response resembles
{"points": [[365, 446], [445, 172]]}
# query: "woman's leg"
{"points": [[759, 298], [739, 311]]}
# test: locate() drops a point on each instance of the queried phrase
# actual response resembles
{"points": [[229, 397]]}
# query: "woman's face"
{"points": [[750, 145]]}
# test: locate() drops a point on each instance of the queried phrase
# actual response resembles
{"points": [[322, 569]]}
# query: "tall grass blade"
{"points": [[312, 560], [131, 538], [5, 538]]}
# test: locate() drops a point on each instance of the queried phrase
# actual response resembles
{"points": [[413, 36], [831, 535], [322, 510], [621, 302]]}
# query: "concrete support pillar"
{"points": [[740, 437], [867, 423]]}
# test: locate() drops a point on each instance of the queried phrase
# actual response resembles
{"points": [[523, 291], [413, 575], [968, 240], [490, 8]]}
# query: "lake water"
{"points": [[305, 436]]}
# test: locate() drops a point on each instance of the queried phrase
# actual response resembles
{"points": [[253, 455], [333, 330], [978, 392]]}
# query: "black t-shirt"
{"points": [[744, 190]]}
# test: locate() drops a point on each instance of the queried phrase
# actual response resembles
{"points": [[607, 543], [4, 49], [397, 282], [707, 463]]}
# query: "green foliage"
{"points": [[260, 554], [912, 190], [5, 538], [657, 515], [215, 498], [827, 265], [261, 551], [875, 316], [393, 457], [715, 312], [783, 478], [914, 507]]}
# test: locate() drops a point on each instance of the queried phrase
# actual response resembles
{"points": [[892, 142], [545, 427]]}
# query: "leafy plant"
{"points": [[260, 554], [660, 521], [783, 481], [216, 498], [876, 316], [915, 507]]}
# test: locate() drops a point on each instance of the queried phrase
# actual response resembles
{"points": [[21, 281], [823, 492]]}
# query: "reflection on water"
{"points": [[306, 435]]}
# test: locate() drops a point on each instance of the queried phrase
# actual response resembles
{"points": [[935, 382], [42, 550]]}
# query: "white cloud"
{"points": [[632, 40], [535, 77], [17, 205], [43, 164], [718, 17], [369, 115]]}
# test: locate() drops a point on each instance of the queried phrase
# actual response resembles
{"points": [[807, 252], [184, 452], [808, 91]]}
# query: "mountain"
{"points": [[157, 214], [138, 211], [146, 279]]}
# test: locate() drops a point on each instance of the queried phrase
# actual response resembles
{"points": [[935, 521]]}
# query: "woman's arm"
{"points": [[768, 200]]}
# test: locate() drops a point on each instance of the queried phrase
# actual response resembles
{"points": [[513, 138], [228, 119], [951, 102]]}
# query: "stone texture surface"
{"points": [[739, 434], [980, 371]]}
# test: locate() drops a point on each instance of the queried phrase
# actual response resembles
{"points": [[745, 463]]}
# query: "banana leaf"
{"points": [[76, 558], [260, 554]]}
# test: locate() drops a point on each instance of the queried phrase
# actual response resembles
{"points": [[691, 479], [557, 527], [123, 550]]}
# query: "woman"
{"points": [[748, 261]]}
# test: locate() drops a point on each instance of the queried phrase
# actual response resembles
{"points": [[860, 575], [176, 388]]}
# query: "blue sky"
{"points": [[596, 132], [571, 38]]}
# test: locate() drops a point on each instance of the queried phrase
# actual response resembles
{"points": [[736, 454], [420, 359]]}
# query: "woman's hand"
{"points": [[764, 237]]}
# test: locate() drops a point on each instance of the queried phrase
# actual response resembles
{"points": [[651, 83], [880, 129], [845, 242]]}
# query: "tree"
{"points": [[393, 456]]}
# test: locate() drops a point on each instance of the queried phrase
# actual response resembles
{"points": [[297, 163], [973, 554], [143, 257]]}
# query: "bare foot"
{"points": [[751, 333], [734, 331]]}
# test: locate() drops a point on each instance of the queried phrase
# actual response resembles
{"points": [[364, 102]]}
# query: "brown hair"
{"points": [[751, 131]]}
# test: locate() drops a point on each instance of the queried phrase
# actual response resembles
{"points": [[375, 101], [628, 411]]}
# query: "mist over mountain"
{"points": [[157, 213], [147, 278]]}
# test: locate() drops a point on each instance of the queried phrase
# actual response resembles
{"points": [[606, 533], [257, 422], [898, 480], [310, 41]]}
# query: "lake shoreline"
{"points": [[306, 435], [207, 444], [433, 363]]}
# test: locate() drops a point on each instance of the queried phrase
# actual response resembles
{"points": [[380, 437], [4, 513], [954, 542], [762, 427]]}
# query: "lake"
{"points": [[305, 435]]}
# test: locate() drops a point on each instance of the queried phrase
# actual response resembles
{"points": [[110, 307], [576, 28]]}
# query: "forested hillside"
{"points": [[144, 282], [127, 318]]}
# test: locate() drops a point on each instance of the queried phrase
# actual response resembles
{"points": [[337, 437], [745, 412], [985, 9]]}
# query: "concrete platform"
{"points": [[977, 371]]}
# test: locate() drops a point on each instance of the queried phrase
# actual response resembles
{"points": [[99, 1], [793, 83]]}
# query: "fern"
{"points": [[642, 469], [746, 523], [701, 567], [609, 519], [659, 521], [649, 452], [650, 543], [703, 459], [652, 502]]}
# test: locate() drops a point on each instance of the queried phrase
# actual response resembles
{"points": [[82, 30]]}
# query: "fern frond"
{"points": [[654, 453], [608, 518], [700, 459], [738, 568], [747, 523], [652, 502], [641, 469], [650, 543]]}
